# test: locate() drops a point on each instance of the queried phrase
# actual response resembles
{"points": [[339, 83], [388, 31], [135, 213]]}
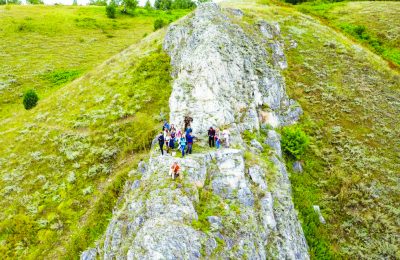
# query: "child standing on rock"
{"points": [[167, 141], [182, 145], [226, 136], [217, 138]]}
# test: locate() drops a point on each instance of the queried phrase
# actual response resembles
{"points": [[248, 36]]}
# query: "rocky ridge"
{"points": [[233, 202]]}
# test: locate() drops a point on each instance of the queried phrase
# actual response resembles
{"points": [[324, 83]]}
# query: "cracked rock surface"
{"points": [[226, 205]]}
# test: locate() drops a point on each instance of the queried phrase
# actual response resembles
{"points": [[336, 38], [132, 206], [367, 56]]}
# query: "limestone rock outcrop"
{"points": [[221, 74], [232, 202]]}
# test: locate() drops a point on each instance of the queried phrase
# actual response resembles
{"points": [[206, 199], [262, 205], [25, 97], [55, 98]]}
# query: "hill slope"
{"points": [[64, 162], [375, 24], [233, 202], [350, 97], [45, 47]]}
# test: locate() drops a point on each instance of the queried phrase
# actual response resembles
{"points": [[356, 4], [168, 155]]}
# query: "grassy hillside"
{"points": [[375, 24], [350, 97], [45, 47], [63, 163]]}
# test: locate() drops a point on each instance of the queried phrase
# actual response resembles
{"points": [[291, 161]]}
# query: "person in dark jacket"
{"points": [[161, 142], [166, 125], [187, 131], [189, 140], [211, 135]]}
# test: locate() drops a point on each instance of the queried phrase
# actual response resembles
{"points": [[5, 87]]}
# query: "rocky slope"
{"points": [[233, 202]]}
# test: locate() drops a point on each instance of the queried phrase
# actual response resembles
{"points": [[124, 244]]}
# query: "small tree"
{"points": [[163, 4], [111, 10], [183, 4], [158, 24], [30, 99], [294, 141], [148, 5], [35, 2], [98, 2], [129, 5]]}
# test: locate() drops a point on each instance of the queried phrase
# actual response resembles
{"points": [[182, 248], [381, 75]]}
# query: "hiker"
{"points": [[161, 142], [174, 170], [173, 133], [217, 138], [211, 135], [182, 145], [189, 140], [226, 136], [217, 142], [166, 125], [171, 143], [165, 133], [179, 134], [188, 120], [167, 140], [188, 130]]}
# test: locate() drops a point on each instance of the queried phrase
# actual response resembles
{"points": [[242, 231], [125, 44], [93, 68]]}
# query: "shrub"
{"points": [[294, 2], [148, 6], [183, 4], [35, 2], [158, 24], [60, 77], [163, 4], [30, 99], [110, 11], [294, 141], [98, 2]]}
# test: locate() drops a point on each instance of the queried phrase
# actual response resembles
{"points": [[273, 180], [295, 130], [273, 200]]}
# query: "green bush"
{"points": [[158, 24], [360, 32], [60, 77], [148, 6], [35, 2], [98, 2], [30, 99], [294, 141], [110, 11]]}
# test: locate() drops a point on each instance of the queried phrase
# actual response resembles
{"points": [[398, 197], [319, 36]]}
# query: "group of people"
{"points": [[169, 137], [215, 137]]}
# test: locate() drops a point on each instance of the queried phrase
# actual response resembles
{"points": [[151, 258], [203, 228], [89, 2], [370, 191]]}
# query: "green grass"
{"points": [[375, 24], [63, 163], [45, 47], [350, 99]]}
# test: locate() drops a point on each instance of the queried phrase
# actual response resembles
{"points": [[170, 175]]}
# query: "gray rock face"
{"points": [[89, 254], [221, 74], [222, 206], [256, 145], [318, 211], [297, 167], [274, 141]]}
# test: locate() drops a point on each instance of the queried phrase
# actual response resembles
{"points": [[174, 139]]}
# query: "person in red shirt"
{"points": [[174, 170]]}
